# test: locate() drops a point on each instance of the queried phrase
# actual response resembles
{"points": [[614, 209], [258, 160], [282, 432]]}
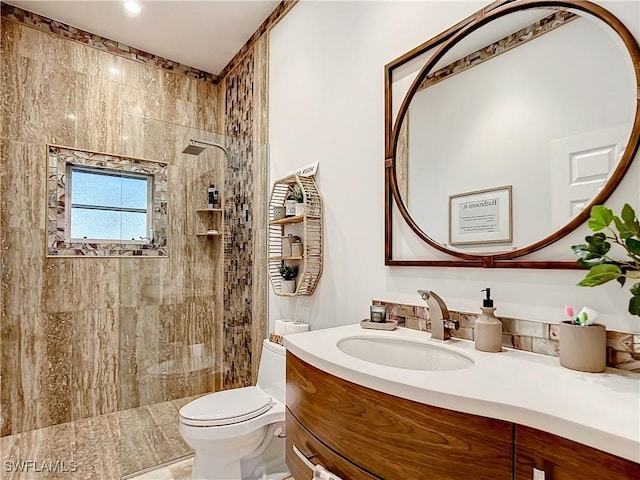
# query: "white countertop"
{"points": [[601, 410]]}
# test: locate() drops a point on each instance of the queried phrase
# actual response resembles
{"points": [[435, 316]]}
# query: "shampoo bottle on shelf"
{"points": [[216, 197], [213, 200], [488, 328], [211, 196]]}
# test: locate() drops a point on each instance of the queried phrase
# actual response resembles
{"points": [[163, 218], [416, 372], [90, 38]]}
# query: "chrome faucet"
{"points": [[441, 324]]}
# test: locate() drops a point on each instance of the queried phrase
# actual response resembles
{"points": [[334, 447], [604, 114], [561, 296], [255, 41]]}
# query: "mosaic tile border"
{"points": [[238, 289], [526, 34], [623, 349], [54, 27], [57, 160]]}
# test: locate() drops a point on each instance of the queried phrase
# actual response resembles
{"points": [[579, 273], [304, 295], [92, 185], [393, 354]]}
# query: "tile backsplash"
{"points": [[623, 349]]}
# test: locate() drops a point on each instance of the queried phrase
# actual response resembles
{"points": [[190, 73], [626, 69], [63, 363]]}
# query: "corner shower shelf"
{"points": [[307, 226], [211, 223]]}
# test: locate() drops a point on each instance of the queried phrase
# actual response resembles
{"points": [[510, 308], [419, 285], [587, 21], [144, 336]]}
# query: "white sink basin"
{"points": [[403, 353]]}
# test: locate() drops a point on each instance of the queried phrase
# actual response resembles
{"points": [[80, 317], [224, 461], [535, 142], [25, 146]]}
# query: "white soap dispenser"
{"points": [[488, 328]]}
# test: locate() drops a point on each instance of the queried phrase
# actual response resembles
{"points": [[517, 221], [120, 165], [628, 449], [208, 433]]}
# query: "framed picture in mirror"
{"points": [[482, 216]]}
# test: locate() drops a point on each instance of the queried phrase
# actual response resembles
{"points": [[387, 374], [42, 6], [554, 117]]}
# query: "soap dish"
{"points": [[388, 325]]}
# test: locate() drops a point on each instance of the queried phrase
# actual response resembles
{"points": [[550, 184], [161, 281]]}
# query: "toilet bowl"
{"points": [[239, 433]]}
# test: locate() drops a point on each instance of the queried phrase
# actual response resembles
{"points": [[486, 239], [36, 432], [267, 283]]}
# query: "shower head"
{"points": [[196, 147]]}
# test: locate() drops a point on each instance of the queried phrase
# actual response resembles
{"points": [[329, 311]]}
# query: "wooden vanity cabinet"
{"points": [[557, 458], [317, 453], [386, 436]]}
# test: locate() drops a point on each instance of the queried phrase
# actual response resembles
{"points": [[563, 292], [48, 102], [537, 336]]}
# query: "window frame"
{"points": [[150, 178], [58, 156]]}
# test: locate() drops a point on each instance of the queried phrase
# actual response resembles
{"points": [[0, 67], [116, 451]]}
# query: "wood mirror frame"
{"points": [[440, 44]]}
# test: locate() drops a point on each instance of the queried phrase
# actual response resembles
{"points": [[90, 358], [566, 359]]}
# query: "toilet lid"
{"points": [[226, 407]]}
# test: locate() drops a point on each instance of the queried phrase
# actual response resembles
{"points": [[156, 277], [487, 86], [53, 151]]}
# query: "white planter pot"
{"points": [[288, 286], [299, 209], [290, 206]]}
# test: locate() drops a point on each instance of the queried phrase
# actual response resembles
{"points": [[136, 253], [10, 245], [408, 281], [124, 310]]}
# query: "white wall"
{"points": [[326, 104]]}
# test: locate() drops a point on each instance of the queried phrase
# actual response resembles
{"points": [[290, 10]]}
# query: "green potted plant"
{"points": [[288, 274], [596, 255], [295, 194]]}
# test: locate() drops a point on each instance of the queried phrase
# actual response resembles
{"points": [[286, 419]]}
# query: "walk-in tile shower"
{"points": [[104, 339]]}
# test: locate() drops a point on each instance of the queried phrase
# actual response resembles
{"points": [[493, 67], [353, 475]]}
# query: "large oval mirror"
{"points": [[515, 127]]}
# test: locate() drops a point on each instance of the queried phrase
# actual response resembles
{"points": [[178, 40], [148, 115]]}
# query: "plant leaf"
{"points": [[593, 252], [622, 228], [628, 215], [635, 289], [600, 274], [595, 244], [633, 245], [581, 250], [634, 305], [630, 220], [601, 217], [586, 263]]}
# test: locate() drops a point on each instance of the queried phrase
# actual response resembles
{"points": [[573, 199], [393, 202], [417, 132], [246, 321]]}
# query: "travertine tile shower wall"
{"points": [[77, 334]]}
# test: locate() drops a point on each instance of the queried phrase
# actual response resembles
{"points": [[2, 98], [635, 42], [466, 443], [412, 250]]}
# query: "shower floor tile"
{"points": [[97, 448]]}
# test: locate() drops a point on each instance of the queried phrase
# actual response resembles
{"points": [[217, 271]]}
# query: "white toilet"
{"points": [[239, 434]]}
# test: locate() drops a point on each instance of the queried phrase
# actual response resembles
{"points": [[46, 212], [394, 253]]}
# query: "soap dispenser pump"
{"points": [[488, 328]]}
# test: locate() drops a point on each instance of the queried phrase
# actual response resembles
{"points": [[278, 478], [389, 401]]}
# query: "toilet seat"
{"points": [[226, 407]]}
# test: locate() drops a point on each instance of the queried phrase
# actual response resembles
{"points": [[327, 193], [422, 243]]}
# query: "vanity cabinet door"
{"points": [[316, 453], [394, 438], [556, 458]]}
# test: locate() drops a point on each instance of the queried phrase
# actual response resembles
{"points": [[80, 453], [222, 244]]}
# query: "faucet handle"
{"points": [[451, 324], [425, 294]]}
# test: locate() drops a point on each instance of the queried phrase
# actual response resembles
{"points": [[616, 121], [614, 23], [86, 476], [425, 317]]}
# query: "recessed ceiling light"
{"points": [[132, 7]]}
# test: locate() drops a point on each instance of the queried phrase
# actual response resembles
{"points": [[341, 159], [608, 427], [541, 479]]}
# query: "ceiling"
{"points": [[203, 34]]}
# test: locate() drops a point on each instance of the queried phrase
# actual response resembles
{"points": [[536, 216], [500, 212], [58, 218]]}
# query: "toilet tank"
{"points": [[272, 370]]}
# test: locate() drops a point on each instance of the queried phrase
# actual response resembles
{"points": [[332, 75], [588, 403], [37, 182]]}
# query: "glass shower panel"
{"points": [[172, 322]]}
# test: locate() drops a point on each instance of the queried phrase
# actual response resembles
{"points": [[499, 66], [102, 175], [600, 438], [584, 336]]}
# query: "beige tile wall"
{"points": [[80, 335]]}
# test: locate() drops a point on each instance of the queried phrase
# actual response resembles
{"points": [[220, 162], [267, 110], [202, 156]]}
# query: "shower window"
{"points": [[107, 205]]}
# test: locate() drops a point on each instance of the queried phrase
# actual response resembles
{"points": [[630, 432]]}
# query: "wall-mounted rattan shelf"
{"points": [[307, 226]]}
